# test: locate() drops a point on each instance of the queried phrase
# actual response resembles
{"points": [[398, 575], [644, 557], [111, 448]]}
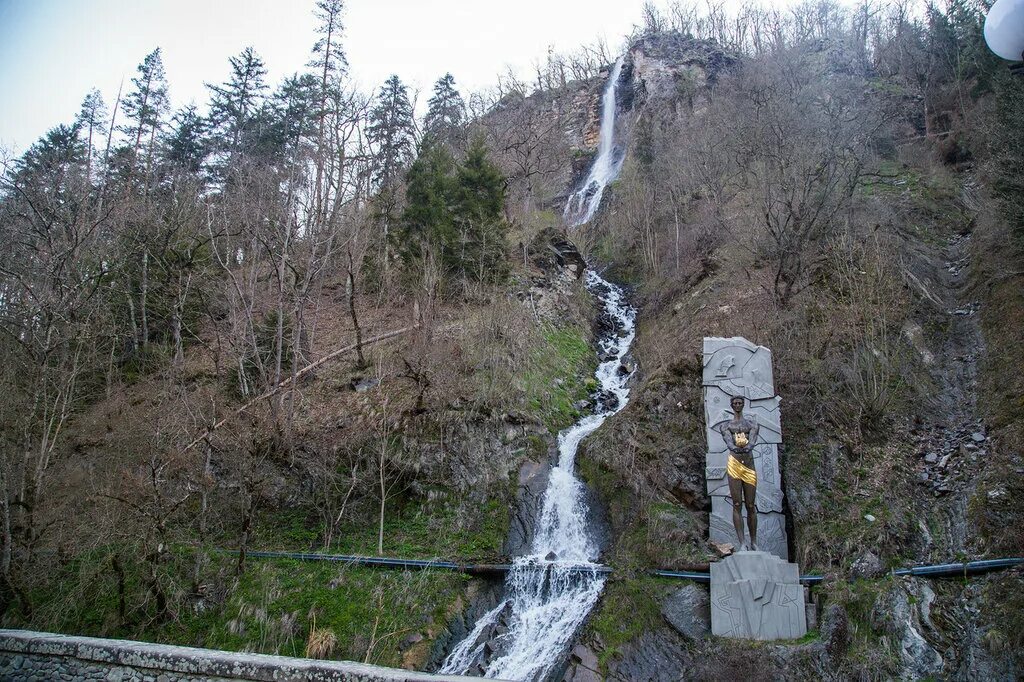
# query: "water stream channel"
{"points": [[550, 590]]}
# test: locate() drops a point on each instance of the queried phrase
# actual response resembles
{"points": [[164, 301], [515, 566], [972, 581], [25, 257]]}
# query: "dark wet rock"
{"points": [[583, 665], [606, 401], [533, 480], [688, 611], [653, 656], [605, 326], [482, 597], [904, 612], [551, 556], [409, 641], [835, 631]]}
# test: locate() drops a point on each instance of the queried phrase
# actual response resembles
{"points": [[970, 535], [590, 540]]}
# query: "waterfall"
{"points": [[551, 589], [584, 202]]}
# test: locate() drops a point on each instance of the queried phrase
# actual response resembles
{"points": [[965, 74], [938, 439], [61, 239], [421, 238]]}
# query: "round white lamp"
{"points": [[1004, 29]]}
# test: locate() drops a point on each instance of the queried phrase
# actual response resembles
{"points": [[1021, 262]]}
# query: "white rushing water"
{"points": [[584, 202], [553, 588]]}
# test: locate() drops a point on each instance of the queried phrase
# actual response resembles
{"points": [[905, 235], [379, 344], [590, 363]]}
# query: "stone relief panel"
{"points": [[754, 595], [735, 366], [739, 367], [771, 527]]}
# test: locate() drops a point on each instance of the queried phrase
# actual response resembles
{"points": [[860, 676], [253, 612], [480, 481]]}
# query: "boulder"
{"points": [[688, 611], [867, 565]]}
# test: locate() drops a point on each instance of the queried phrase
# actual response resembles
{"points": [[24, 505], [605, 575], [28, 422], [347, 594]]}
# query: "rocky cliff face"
{"points": [[672, 68], [556, 132]]}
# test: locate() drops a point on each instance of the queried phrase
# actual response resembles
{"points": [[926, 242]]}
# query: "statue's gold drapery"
{"points": [[738, 469]]}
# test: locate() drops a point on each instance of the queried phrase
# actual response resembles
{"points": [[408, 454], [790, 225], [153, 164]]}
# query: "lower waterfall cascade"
{"points": [[550, 591]]}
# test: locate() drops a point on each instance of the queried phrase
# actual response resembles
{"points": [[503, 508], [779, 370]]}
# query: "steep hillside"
{"points": [[291, 343], [884, 351]]}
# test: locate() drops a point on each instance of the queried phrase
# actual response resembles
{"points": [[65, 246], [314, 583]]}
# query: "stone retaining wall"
{"points": [[26, 655]]}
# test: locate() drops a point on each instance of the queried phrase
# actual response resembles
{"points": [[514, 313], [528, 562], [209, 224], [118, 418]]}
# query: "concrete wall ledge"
{"points": [[27, 655]]}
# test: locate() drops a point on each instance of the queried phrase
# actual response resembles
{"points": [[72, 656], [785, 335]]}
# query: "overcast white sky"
{"points": [[53, 51]]}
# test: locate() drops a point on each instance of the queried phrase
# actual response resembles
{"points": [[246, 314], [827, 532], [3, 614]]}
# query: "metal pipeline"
{"points": [[406, 564], [950, 570]]}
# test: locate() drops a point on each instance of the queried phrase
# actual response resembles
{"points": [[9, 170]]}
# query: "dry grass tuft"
{"points": [[321, 643]]}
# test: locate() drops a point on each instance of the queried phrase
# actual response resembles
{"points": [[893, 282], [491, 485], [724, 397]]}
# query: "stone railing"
{"points": [[26, 655]]}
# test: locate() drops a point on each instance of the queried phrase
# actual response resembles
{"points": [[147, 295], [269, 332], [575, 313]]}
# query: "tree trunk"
{"points": [[204, 496], [142, 297], [6, 589], [106, 152], [383, 500], [243, 543], [350, 293], [119, 572], [134, 323]]}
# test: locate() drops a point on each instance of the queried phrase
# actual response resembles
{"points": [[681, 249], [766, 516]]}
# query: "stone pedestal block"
{"points": [[757, 595]]}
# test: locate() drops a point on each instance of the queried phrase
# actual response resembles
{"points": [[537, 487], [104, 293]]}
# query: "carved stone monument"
{"points": [[754, 594], [736, 367]]}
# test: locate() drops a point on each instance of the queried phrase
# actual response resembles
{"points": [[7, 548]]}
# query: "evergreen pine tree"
{"points": [[445, 110], [329, 63], [186, 144], [479, 217], [458, 212], [428, 219], [290, 115], [147, 103], [329, 59], [52, 162], [390, 131], [235, 105], [91, 120]]}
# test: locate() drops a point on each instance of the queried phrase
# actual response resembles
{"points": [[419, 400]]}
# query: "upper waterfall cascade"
{"points": [[550, 590], [584, 202]]}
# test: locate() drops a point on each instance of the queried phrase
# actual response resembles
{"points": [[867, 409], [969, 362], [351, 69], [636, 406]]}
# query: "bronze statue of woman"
{"points": [[740, 436]]}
